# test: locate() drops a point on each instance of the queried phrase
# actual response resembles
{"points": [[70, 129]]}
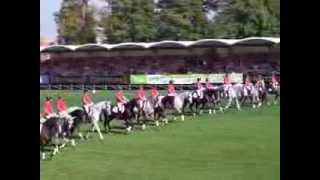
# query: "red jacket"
{"points": [[86, 99], [47, 108], [140, 94], [226, 80], [247, 82], [154, 92], [120, 97], [274, 79], [61, 105], [171, 89]]}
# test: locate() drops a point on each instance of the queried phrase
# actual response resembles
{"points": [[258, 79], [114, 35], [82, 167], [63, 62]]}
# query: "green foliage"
{"points": [[145, 20], [181, 20], [131, 21], [76, 23], [245, 18]]}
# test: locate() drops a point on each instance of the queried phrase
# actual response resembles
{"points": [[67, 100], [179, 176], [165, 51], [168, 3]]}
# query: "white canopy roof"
{"points": [[252, 41]]}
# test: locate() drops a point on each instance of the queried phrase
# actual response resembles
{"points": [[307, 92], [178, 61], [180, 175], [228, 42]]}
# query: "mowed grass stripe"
{"points": [[233, 145]]}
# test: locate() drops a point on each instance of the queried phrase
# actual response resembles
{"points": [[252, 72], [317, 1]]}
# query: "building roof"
{"points": [[252, 41]]}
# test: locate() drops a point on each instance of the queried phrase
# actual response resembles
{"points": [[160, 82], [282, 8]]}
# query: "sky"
{"points": [[47, 24]]}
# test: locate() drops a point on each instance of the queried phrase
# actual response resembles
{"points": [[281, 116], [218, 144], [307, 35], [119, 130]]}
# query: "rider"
{"points": [[226, 83], [261, 81], [208, 84], [155, 94], [47, 109], [171, 92], [274, 81], [248, 81], [86, 101], [199, 88], [62, 108], [140, 96], [247, 85], [121, 100]]}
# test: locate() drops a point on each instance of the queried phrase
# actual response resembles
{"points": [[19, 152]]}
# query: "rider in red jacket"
{"points": [[47, 109], [86, 101], [121, 100], [171, 93], [208, 84], [140, 96]]}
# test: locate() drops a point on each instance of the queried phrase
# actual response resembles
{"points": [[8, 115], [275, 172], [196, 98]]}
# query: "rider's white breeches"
{"points": [[51, 115], [120, 107], [87, 107], [200, 93]]}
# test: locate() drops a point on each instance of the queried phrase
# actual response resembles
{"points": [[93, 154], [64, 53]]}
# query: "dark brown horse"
{"points": [[49, 133]]}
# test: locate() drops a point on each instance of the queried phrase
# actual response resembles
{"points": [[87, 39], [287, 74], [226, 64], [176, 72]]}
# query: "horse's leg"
{"points": [[181, 114], [89, 130], [128, 125], [96, 126], [164, 116], [43, 154], [238, 104], [191, 108], [229, 103]]}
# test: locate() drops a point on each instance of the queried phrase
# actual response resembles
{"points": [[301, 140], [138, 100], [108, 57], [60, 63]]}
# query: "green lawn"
{"points": [[230, 146]]}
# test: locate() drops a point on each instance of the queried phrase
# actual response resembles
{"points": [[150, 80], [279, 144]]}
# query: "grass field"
{"points": [[230, 146]]}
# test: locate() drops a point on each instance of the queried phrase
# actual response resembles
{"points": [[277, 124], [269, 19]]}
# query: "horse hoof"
{"points": [[143, 127], [157, 123]]}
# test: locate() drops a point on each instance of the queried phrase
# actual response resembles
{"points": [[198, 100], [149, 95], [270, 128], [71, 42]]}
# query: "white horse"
{"points": [[95, 114], [251, 92], [180, 102], [150, 109], [234, 92]]}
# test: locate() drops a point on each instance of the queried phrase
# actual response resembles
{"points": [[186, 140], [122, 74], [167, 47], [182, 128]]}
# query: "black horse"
{"points": [[49, 133], [79, 117], [130, 111]]}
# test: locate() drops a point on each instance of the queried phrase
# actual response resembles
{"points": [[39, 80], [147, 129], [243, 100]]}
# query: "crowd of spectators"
{"points": [[83, 69]]}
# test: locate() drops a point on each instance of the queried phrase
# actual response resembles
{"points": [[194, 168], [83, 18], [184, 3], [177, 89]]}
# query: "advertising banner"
{"points": [[183, 78]]}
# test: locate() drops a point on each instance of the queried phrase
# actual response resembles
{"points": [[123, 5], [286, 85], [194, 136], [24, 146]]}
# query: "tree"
{"points": [[245, 18], [130, 21], [76, 23], [181, 20]]}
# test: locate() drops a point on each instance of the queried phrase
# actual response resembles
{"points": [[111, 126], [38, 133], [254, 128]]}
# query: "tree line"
{"points": [[157, 20]]}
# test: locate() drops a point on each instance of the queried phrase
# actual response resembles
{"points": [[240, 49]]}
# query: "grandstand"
{"points": [[112, 64]]}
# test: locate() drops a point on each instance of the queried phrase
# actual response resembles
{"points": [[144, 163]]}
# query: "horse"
{"points": [[197, 99], [275, 91], [252, 93], [49, 133], [151, 110], [234, 92], [96, 111], [212, 98], [181, 100], [78, 115], [263, 92], [112, 112]]}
